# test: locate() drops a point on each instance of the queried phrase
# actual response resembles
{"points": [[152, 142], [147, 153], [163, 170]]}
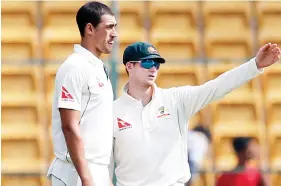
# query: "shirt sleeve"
{"points": [[194, 98], [70, 93]]}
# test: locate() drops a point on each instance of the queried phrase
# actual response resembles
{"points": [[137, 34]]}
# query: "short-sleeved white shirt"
{"points": [[150, 142], [81, 84]]}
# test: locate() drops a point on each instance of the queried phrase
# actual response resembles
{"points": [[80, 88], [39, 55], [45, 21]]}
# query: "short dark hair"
{"points": [[91, 12], [205, 131], [240, 144]]}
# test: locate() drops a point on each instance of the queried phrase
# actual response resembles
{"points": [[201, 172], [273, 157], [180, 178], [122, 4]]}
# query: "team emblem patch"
{"points": [[162, 112], [152, 50]]}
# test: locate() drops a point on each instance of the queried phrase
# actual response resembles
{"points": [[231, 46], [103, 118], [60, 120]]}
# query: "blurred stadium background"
{"points": [[200, 40]]}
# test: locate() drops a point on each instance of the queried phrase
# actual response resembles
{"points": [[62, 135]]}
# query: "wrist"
{"points": [[257, 63], [86, 179]]}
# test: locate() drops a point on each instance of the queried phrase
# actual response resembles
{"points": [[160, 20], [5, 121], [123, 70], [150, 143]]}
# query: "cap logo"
{"points": [[152, 50]]}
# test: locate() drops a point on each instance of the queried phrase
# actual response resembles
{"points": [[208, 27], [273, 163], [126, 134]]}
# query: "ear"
{"points": [[129, 66], [89, 29]]}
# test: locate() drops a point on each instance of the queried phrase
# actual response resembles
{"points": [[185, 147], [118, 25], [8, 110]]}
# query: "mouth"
{"points": [[111, 42], [151, 76]]}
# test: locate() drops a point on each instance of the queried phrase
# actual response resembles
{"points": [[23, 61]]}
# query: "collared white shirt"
{"points": [[150, 143], [81, 84]]}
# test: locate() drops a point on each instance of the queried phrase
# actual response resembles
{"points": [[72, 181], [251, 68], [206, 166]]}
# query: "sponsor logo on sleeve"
{"points": [[65, 95]]}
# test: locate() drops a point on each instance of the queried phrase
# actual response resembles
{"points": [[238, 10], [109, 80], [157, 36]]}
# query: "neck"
{"points": [[141, 93], [89, 46], [242, 162]]}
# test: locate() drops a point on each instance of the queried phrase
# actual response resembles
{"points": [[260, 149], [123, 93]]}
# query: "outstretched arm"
{"points": [[194, 98]]}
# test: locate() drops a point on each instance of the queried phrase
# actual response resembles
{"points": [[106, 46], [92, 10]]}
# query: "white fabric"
{"points": [[56, 182], [81, 84], [150, 143], [197, 147], [64, 173]]}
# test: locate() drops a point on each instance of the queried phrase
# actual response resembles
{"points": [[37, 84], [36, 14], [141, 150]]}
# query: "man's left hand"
{"points": [[267, 55]]}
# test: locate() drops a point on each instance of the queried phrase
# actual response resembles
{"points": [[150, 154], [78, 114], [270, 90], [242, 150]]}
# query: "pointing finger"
{"points": [[275, 50], [273, 46], [265, 47]]}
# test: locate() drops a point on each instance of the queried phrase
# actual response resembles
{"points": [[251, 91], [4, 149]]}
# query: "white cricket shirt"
{"points": [[150, 143], [81, 84]]}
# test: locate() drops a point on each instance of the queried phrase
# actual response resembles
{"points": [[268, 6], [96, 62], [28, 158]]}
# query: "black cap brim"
{"points": [[159, 59]]}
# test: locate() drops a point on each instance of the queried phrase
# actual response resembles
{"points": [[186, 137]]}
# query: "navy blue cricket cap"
{"points": [[140, 51]]}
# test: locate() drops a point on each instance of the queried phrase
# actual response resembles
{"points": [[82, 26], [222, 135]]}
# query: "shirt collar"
{"points": [[129, 97], [89, 55]]}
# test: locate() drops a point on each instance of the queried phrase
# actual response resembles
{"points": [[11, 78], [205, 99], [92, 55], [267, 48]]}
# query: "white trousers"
{"points": [[57, 182], [62, 173]]}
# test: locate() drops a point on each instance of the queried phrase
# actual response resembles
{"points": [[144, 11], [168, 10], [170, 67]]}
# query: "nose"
{"points": [[114, 32], [153, 69]]}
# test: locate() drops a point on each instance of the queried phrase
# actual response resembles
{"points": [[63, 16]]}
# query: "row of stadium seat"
{"points": [[180, 30]]}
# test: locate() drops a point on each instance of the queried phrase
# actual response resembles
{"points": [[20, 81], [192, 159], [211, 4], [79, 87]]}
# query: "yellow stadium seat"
{"points": [[236, 118], [274, 117], [60, 30], [204, 179], [18, 13], [122, 79], [275, 179], [180, 74], [51, 154], [269, 17], [252, 87], [271, 81], [23, 153], [275, 152], [241, 108], [177, 36], [50, 71], [19, 47], [226, 29], [25, 180], [22, 119], [224, 155], [131, 27], [20, 83], [61, 14], [272, 96]]}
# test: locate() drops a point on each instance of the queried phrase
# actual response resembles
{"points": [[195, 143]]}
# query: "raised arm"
{"points": [[193, 98]]}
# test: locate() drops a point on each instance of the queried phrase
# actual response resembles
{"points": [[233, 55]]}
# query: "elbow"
{"points": [[69, 129], [66, 129]]}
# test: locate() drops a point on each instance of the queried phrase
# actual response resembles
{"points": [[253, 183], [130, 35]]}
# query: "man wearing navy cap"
{"points": [[150, 123]]}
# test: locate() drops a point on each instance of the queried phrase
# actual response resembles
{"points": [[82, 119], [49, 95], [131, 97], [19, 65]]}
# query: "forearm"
{"points": [[196, 97], [232, 79], [76, 150]]}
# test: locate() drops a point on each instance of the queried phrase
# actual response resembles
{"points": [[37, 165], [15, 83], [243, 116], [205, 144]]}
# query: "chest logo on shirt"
{"points": [[99, 82], [122, 125], [65, 95], [162, 112]]}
